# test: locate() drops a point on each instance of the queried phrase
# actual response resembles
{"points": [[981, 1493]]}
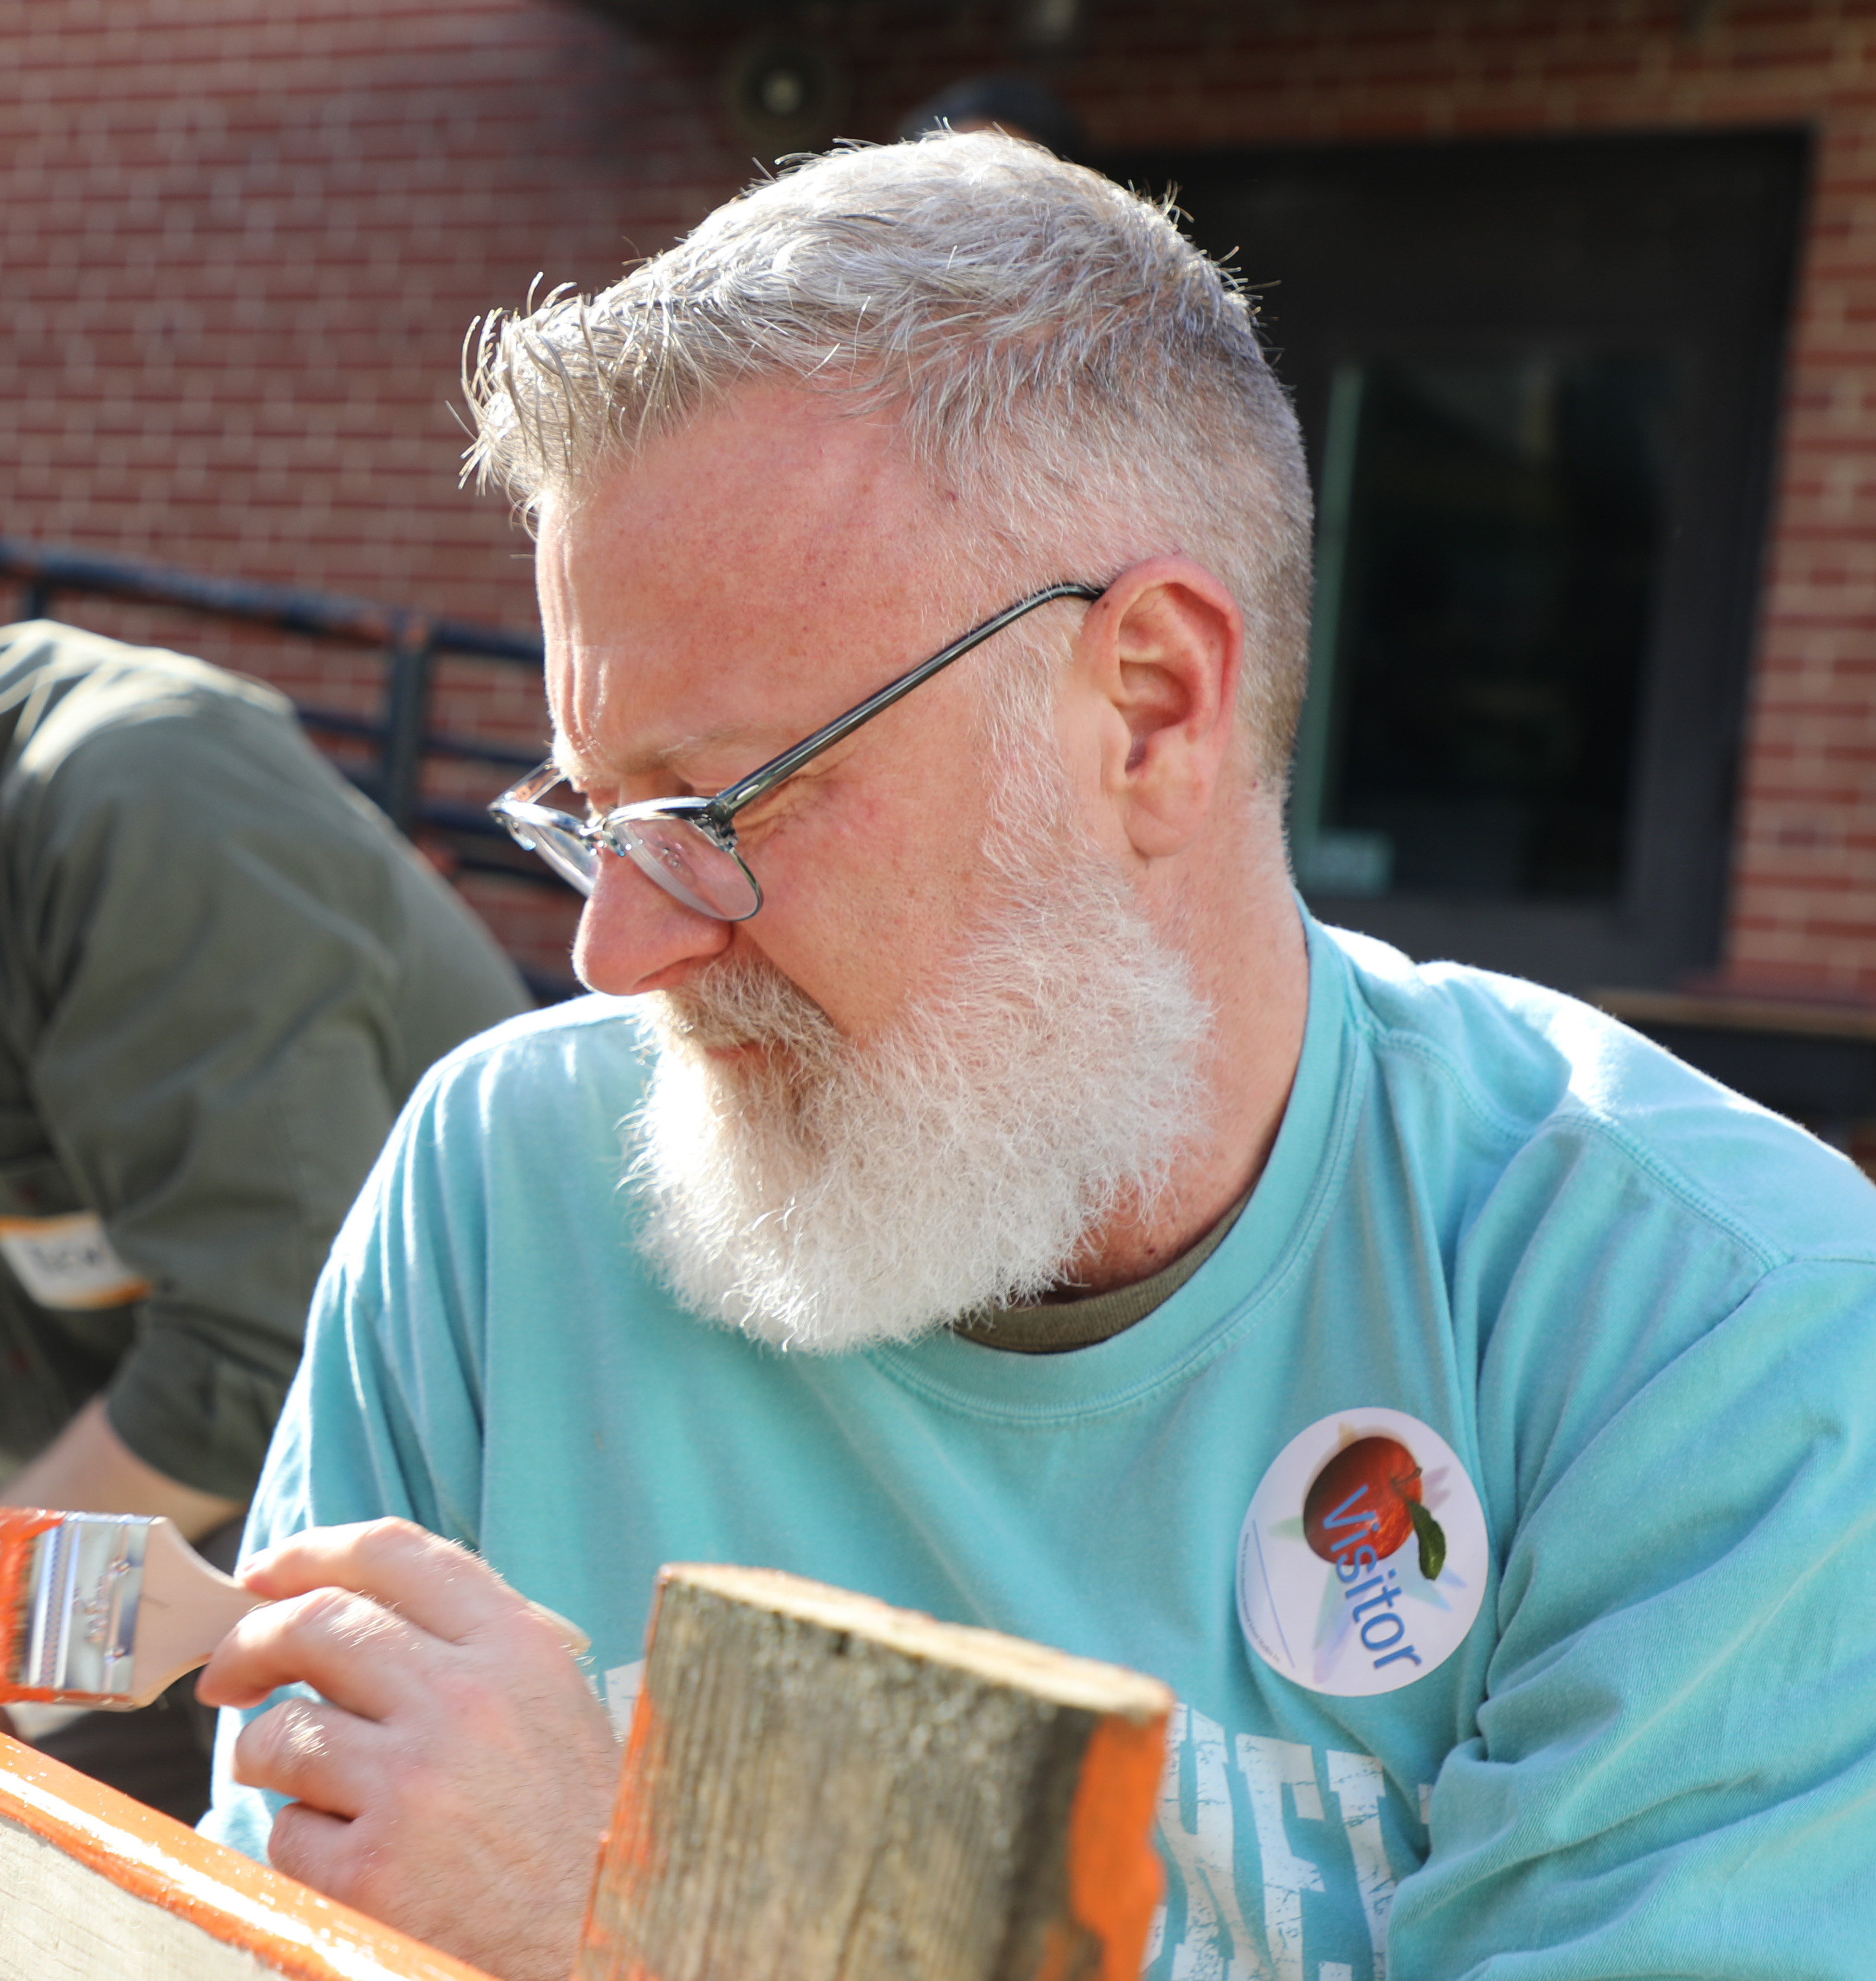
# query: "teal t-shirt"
{"points": [[1623, 1322]]}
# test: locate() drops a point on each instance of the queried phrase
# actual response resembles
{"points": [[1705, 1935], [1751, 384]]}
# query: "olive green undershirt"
{"points": [[1053, 1326]]}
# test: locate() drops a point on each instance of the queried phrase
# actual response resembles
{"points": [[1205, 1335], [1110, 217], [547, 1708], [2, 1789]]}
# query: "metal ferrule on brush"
{"points": [[86, 1577]]}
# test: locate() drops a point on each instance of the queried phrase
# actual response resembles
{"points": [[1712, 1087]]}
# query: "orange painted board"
{"points": [[1116, 1880], [290, 1928]]}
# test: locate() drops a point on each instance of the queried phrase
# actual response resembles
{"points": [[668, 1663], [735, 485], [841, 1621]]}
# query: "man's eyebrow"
{"points": [[580, 769]]}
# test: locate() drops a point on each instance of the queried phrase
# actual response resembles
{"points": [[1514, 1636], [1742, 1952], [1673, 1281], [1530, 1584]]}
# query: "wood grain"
{"points": [[820, 1788]]}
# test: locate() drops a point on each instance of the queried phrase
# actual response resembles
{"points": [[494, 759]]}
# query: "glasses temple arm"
{"points": [[765, 776]]}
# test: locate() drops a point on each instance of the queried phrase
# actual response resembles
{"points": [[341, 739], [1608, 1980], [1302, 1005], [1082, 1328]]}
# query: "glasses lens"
{"points": [[548, 828], [687, 863], [569, 856]]}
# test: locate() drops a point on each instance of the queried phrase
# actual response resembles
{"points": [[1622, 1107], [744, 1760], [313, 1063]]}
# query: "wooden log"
{"points": [[95, 1886], [819, 1787]]}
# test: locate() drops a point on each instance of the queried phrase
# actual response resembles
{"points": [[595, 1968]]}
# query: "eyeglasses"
{"points": [[688, 845]]}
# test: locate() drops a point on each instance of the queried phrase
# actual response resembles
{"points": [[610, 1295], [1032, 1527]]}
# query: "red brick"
{"points": [[242, 239]]}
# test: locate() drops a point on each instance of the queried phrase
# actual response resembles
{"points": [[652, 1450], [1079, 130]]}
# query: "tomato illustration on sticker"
{"points": [[1371, 1491], [1329, 1593]]}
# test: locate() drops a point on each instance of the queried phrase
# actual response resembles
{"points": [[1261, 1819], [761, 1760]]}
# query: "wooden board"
{"points": [[95, 1886], [820, 1788]]}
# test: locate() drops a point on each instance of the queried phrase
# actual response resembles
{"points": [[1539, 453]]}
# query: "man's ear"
{"points": [[1162, 650]]}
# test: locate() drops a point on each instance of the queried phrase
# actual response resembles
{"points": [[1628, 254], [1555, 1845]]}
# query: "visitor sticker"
{"points": [[69, 1262], [1362, 1560]]}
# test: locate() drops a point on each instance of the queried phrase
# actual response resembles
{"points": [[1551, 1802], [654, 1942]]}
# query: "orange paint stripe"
{"points": [[1115, 1879], [20, 1526], [288, 1925], [627, 1859]]}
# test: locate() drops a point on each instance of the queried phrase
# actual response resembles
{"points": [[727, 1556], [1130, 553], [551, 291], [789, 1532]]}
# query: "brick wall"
{"points": [[240, 240]]}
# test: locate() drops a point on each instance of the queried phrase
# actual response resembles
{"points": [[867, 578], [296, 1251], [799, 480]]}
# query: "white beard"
{"points": [[835, 1194]]}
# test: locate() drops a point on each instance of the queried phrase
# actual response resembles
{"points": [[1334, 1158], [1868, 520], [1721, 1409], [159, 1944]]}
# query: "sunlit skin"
{"points": [[740, 584], [704, 612]]}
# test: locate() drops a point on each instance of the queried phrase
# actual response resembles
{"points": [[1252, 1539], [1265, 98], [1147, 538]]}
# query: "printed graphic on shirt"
{"points": [[1282, 1859], [1361, 1562], [67, 1262]]}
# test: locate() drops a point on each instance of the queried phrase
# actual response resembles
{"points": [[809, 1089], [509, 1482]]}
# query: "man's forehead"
{"points": [[647, 697], [778, 480], [700, 598]]}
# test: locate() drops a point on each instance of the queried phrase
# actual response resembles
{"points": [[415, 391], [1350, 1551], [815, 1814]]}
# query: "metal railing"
{"points": [[400, 737]]}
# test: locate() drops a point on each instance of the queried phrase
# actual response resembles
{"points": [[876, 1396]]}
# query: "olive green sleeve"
{"points": [[217, 1059]]}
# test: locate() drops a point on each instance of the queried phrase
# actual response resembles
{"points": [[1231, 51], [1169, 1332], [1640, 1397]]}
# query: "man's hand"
{"points": [[455, 1775]]}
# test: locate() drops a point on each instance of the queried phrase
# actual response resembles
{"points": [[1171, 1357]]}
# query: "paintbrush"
{"points": [[105, 1609], [109, 1609]]}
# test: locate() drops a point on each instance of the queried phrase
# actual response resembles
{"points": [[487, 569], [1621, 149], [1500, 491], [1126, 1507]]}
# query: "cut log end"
{"points": [[819, 1787]]}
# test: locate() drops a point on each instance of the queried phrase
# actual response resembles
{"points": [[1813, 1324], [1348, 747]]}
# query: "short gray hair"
{"points": [[1047, 342]]}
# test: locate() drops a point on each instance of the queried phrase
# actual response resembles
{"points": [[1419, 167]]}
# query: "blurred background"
{"points": [[1578, 298]]}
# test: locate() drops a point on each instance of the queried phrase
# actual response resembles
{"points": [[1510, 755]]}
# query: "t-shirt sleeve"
{"points": [[215, 1066], [1674, 1768]]}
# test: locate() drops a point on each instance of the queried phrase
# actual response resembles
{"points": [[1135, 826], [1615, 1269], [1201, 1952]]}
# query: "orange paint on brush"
{"points": [[1115, 1879], [290, 1928], [20, 1526]]}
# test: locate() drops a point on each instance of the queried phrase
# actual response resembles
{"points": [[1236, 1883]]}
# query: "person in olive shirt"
{"points": [[220, 974]]}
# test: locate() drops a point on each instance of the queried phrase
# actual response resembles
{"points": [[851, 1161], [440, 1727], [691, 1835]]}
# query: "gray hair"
{"points": [[1048, 343]]}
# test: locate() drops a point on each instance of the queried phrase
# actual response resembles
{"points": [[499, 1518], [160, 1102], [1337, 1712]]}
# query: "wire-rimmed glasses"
{"points": [[688, 845]]}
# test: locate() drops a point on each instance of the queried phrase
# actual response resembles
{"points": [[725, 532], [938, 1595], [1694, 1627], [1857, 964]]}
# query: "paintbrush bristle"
{"points": [[20, 1526]]}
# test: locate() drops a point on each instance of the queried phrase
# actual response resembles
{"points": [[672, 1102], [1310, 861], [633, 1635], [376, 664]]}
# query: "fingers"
{"points": [[353, 1861], [349, 1649], [478, 1822], [455, 1777], [438, 1586], [321, 1757], [317, 1848], [363, 1614]]}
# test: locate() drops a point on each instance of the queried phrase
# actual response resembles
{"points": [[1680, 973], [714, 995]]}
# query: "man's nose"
{"points": [[634, 937]]}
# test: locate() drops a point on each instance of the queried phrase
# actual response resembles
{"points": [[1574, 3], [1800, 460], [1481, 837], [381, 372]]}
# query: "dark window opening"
{"points": [[1487, 540], [1538, 381]]}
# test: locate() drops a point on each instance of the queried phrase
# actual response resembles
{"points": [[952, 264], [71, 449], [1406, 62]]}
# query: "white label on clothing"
{"points": [[1333, 1589], [67, 1262], [624, 1682]]}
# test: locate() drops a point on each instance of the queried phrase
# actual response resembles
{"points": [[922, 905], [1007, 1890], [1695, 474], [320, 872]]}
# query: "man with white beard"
{"points": [[829, 1195], [994, 1194]]}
